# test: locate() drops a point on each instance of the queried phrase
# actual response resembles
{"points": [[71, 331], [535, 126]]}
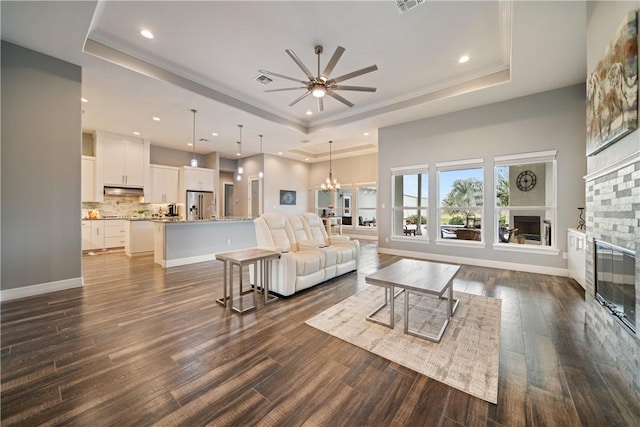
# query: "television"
{"points": [[615, 281]]}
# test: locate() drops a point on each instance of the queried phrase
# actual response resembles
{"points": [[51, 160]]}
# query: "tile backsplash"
{"points": [[124, 206]]}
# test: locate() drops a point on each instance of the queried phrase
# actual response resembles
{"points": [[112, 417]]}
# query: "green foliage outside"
{"points": [[413, 219], [456, 220], [465, 193]]}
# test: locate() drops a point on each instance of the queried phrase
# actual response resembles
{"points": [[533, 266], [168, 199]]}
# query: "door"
{"points": [[228, 199], [254, 198]]}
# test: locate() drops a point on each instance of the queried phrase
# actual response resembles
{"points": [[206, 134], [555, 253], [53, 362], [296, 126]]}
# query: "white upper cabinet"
{"points": [[88, 182], [164, 185], [123, 161], [198, 179]]}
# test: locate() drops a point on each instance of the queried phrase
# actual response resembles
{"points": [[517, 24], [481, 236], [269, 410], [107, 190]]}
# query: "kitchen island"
{"points": [[188, 242]]}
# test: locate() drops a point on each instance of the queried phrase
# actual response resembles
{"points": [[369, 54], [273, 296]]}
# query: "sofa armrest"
{"points": [[311, 244]]}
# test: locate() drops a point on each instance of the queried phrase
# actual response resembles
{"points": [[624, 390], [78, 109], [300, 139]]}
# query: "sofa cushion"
{"points": [[277, 225], [308, 262]]}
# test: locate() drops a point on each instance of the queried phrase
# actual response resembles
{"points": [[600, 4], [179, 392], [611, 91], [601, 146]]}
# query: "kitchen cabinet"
{"points": [[198, 179], [164, 184], [114, 233], [123, 160], [576, 258], [88, 182], [139, 237], [92, 234]]}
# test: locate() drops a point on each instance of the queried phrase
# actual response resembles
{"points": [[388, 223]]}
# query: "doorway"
{"points": [[255, 197], [228, 199]]}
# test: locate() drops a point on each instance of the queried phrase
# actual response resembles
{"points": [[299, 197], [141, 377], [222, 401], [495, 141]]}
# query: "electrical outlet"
{"points": [[565, 255]]}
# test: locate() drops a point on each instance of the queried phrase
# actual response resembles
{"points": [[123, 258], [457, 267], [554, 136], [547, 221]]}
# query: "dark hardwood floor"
{"points": [[140, 345]]}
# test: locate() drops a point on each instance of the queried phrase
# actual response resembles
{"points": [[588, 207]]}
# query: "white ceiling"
{"points": [[206, 55]]}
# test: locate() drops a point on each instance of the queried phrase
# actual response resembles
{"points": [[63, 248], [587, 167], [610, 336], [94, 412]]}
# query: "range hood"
{"points": [[123, 191]]}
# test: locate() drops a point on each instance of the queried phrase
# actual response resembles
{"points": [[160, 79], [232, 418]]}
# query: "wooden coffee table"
{"points": [[414, 276]]}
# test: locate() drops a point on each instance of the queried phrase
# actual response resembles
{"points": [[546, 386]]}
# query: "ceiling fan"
{"points": [[322, 85]]}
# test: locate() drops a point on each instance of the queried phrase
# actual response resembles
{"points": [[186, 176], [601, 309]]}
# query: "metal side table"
{"points": [[261, 260]]}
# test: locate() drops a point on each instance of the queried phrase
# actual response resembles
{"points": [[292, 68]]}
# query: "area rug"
{"points": [[467, 357]]}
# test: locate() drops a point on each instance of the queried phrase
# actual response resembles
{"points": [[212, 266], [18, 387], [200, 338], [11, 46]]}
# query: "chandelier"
{"points": [[330, 184]]}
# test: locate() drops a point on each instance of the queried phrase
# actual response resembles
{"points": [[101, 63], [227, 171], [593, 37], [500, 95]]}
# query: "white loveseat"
{"points": [[308, 256]]}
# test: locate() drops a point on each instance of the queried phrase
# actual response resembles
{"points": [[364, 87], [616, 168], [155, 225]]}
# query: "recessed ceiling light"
{"points": [[84, 100], [190, 144], [279, 153], [214, 134], [463, 59], [309, 112], [136, 133], [366, 134], [147, 34], [156, 119], [306, 159]]}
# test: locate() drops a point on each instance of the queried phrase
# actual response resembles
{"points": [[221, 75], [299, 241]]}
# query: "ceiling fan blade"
{"points": [[356, 88], [300, 98], [333, 61], [341, 99], [320, 105], [286, 88], [354, 74], [300, 64], [269, 73]]}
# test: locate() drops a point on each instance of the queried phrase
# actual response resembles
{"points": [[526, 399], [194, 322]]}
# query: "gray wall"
{"points": [[41, 152], [169, 157], [545, 121]]}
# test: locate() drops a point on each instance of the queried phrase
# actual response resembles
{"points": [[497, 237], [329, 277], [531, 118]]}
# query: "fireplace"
{"points": [[528, 226], [615, 281]]}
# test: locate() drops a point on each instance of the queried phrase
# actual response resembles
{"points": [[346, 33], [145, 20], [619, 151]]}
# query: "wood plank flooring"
{"points": [[140, 345]]}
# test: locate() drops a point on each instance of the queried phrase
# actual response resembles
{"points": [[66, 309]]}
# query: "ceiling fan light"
{"points": [[318, 91]]}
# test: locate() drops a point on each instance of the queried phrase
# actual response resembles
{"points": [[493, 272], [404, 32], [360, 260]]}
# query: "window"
{"points": [[526, 199], [336, 203], [324, 202], [460, 200], [410, 190], [366, 204]]}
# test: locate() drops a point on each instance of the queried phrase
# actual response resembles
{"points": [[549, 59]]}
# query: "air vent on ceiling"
{"points": [[406, 5], [262, 79]]}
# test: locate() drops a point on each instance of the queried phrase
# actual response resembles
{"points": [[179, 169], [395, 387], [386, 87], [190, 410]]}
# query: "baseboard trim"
{"points": [[42, 288], [528, 268], [167, 263]]}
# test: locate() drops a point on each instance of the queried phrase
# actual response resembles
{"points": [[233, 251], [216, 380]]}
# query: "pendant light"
{"points": [[239, 153], [330, 184], [194, 161], [261, 174]]}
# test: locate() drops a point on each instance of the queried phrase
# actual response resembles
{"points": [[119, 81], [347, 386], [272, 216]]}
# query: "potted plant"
{"points": [[521, 239]]}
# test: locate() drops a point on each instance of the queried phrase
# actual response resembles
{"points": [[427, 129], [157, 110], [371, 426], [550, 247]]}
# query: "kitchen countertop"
{"points": [[199, 221]]}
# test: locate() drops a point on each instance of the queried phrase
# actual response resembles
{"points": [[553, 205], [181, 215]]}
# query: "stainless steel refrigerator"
{"points": [[200, 205]]}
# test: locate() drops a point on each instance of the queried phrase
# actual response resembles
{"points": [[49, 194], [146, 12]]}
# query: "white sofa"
{"points": [[308, 256]]}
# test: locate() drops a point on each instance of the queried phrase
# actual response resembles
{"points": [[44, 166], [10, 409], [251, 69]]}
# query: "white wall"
{"points": [[545, 121], [286, 174], [41, 173]]}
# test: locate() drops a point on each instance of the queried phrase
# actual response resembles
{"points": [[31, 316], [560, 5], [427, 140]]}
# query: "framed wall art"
{"points": [[287, 197], [612, 89]]}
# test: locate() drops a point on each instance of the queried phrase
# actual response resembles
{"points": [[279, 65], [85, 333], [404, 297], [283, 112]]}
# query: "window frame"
{"points": [[419, 169], [474, 163], [548, 156], [356, 206]]}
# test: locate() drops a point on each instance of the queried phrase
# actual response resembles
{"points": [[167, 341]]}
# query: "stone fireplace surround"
{"points": [[613, 215]]}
